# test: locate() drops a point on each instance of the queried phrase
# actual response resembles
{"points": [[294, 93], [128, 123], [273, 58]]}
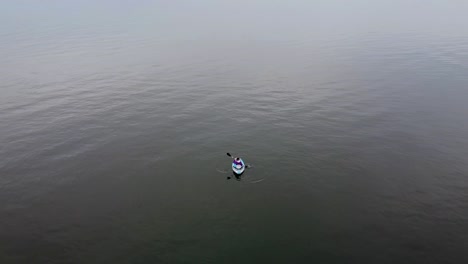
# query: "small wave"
{"points": [[257, 181], [224, 171]]}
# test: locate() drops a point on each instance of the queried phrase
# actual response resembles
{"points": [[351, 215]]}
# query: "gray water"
{"points": [[115, 120]]}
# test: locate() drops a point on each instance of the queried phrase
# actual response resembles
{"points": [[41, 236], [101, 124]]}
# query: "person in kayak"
{"points": [[237, 161]]}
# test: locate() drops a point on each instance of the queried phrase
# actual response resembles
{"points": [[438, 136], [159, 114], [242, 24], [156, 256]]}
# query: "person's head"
{"points": [[237, 159]]}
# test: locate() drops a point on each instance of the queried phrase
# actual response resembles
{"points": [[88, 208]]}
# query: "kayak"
{"points": [[238, 168]]}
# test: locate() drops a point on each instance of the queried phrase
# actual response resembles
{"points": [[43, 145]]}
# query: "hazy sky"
{"points": [[193, 26], [244, 14]]}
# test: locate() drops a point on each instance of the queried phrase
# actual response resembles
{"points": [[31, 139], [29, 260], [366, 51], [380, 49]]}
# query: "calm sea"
{"points": [[116, 116]]}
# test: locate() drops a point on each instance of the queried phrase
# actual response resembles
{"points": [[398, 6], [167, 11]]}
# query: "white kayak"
{"points": [[238, 168]]}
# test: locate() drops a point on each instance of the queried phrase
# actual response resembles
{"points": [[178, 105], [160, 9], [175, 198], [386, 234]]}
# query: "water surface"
{"points": [[115, 118]]}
